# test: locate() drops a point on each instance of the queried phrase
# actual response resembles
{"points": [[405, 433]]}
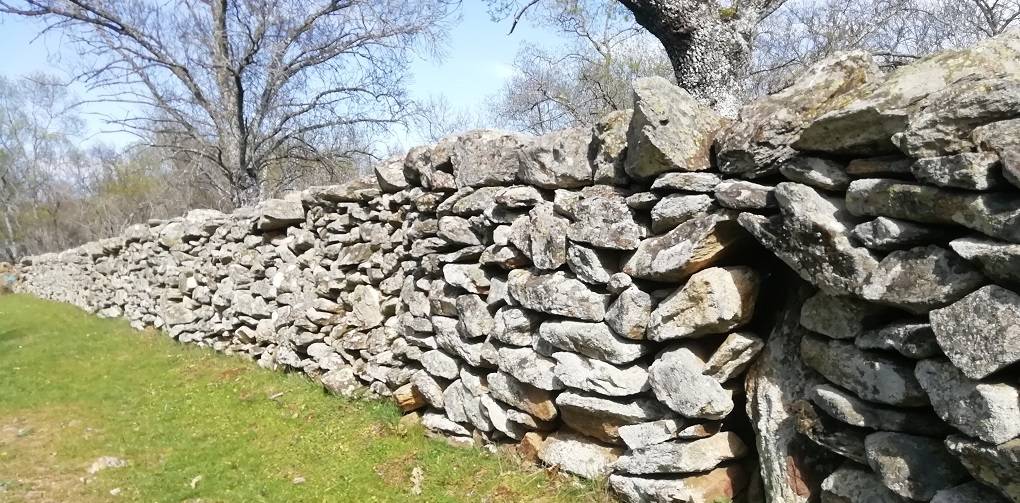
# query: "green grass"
{"points": [[195, 425]]}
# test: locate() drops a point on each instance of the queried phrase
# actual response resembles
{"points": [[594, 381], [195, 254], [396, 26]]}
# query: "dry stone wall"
{"points": [[816, 302]]}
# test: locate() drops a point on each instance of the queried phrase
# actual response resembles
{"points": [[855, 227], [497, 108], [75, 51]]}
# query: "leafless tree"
{"points": [[557, 87], [246, 85]]}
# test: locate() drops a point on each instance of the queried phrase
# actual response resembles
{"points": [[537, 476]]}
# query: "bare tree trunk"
{"points": [[709, 46]]}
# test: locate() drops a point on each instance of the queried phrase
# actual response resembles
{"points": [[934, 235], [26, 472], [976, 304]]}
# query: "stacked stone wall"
{"points": [[818, 301]]}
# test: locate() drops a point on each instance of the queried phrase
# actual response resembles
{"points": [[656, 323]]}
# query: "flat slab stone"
{"points": [[690, 247], [720, 484], [601, 417], [713, 301], [993, 465], [840, 317], [594, 340], [597, 376], [683, 457], [851, 410], [854, 484], [921, 279], [871, 375], [997, 260], [578, 454], [557, 293]]}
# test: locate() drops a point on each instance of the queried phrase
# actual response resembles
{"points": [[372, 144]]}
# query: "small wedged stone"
{"points": [[682, 457], [676, 209], [816, 172], [669, 131], [601, 417], [828, 433], [921, 279], [628, 315], [609, 147], [997, 260], [871, 167], [913, 340], [713, 301], [888, 234], [995, 214], [677, 377], [594, 340], [989, 411], [720, 484], [578, 455], [870, 375], [557, 293], [812, 236], [534, 401], [979, 333], [516, 326], [851, 410], [520, 196], [840, 317], [993, 465], [590, 265], [596, 376], [913, 467], [690, 247], [852, 483], [557, 160], [969, 170], [733, 356], [439, 423], [744, 195]]}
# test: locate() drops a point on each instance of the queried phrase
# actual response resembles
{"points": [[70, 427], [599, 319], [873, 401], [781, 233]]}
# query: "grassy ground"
{"points": [[194, 425]]}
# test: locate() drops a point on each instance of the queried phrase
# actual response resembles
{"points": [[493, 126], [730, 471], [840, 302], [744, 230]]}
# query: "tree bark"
{"points": [[709, 46]]}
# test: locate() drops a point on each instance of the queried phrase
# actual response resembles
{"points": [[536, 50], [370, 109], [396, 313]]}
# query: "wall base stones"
{"points": [[624, 303]]}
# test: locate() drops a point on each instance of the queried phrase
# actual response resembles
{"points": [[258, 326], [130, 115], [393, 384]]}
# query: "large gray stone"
{"points": [[594, 340], [989, 411], [670, 130], [994, 214], [609, 147], [756, 144], [820, 173], [812, 236], [840, 317], [603, 220], [911, 466], [942, 123], [713, 301], [686, 182], [853, 484], [733, 356], [515, 326], [743, 195], [677, 379], [690, 247], [527, 366], [871, 375], [1003, 138], [683, 457], [590, 265], [473, 318], [485, 157], [280, 213], [557, 160], [866, 118], [921, 279], [970, 492], [470, 277], [970, 170], [979, 333], [557, 293], [542, 236], [596, 376], [993, 465]]}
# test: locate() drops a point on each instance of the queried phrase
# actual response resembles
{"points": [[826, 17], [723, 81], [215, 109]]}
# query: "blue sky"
{"points": [[478, 60]]}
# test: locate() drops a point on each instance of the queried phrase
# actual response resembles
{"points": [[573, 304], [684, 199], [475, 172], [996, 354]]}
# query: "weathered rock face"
{"points": [[615, 300]]}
